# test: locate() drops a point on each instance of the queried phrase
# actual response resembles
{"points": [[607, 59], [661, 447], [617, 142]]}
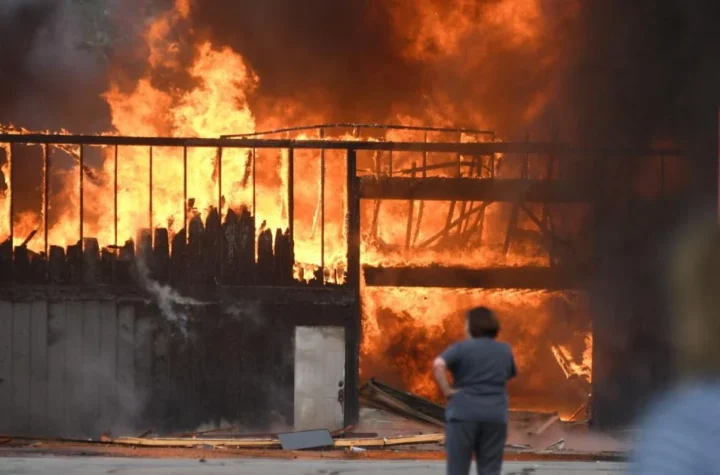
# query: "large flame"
{"points": [[403, 329]]}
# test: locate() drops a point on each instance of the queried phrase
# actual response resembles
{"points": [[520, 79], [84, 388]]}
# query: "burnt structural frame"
{"points": [[376, 187]]}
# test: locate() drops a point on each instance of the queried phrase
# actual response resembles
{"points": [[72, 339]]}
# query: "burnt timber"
{"points": [[473, 189], [221, 251], [533, 278]]}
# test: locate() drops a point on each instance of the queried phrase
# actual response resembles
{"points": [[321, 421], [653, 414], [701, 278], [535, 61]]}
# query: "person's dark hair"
{"points": [[482, 322]]}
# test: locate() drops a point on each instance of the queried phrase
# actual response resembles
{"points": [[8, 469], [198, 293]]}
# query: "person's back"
{"points": [[481, 368], [477, 412]]}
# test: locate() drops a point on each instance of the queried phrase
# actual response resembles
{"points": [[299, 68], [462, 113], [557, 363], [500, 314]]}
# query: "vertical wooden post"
{"points": [[46, 195], [150, 193], [353, 216], [291, 197], [352, 367], [82, 195], [322, 208]]}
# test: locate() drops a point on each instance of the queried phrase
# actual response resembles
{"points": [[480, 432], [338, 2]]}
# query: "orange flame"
{"points": [[404, 329]]}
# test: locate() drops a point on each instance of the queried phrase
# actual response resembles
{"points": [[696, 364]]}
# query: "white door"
{"points": [[319, 378]]}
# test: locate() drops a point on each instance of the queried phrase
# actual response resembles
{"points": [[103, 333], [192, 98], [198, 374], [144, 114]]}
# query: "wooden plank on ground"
{"points": [[38, 367], [56, 352], [74, 369], [108, 364], [125, 364], [21, 368], [6, 323], [271, 443]]}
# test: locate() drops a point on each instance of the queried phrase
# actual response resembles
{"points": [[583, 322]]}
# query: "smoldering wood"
{"points": [[178, 258], [144, 247], [125, 263], [195, 270], [38, 268], [74, 263], [540, 278], [161, 256], [283, 262], [57, 272], [265, 260], [246, 247], [212, 247], [108, 263], [21, 270], [238, 262], [6, 261], [474, 189], [91, 262]]}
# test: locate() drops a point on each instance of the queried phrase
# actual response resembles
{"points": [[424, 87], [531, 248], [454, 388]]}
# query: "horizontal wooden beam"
{"points": [[534, 278], [481, 148], [473, 189]]}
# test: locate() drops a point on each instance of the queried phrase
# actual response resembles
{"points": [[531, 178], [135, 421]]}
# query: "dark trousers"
{"points": [[484, 439]]}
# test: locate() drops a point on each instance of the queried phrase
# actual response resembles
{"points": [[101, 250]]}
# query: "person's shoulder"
{"points": [[691, 405], [678, 430]]}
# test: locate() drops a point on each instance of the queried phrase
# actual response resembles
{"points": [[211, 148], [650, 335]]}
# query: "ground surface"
{"points": [[48, 465]]}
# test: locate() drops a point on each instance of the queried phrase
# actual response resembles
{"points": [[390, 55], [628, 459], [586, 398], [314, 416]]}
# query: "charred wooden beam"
{"points": [[91, 262], [108, 262], [56, 265], [265, 262], [540, 278], [125, 263], [212, 242], [178, 259], [195, 268], [21, 271], [467, 148], [231, 251], [38, 268], [246, 247], [161, 256], [74, 263], [473, 189], [283, 264], [6, 260]]}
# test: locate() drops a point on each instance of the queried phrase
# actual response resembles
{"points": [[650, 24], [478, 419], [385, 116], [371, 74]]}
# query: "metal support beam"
{"points": [[81, 170], [291, 196], [46, 195], [467, 148]]}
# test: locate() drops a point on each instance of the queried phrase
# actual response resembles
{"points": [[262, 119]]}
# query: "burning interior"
{"points": [[200, 184]]}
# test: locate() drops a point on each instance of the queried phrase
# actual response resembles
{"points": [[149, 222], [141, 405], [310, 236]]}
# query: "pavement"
{"points": [[54, 465]]}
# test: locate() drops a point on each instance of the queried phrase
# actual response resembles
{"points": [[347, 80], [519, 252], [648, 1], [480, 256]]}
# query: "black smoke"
{"points": [[48, 77]]}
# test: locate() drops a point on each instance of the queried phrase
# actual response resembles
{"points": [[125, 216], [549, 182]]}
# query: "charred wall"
{"points": [[80, 363], [633, 356]]}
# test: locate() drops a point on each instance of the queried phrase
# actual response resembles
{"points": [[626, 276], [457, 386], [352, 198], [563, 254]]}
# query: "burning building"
{"points": [[201, 259]]}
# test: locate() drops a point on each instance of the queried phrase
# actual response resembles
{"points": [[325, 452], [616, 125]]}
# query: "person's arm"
{"points": [[440, 367]]}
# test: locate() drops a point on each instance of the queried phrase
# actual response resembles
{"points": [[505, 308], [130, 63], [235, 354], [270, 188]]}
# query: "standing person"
{"points": [[477, 411], [680, 434]]}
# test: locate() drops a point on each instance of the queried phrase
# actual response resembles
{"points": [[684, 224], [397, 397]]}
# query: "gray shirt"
{"points": [[481, 368]]}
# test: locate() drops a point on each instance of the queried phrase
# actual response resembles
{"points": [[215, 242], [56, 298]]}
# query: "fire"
{"points": [[217, 95], [405, 329]]}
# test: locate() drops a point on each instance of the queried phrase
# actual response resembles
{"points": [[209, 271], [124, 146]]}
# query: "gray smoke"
{"points": [[52, 64], [173, 306]]}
